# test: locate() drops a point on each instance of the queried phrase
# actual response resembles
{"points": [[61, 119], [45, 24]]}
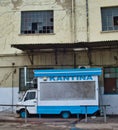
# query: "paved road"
{"points": [[20, 126], [10, 122], [39, 126]]}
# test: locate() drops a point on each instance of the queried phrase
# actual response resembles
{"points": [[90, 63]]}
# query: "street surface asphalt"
{"points": [[9, 121]]}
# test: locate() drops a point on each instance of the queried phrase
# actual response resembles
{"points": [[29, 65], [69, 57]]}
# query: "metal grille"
{"points": [[67, 91]]}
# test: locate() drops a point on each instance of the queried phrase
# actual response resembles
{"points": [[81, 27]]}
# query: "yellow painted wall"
{"points": [[10, 22], [95, 28], [64, 15]]}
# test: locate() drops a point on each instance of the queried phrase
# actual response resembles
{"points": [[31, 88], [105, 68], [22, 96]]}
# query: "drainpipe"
{"points": [[87, 19], [73, 21], [87, 24], [73, 30], [25, 76]]}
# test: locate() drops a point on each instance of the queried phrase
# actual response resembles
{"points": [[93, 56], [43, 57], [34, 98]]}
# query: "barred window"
{"points": [[109, 18], [36, 22]]}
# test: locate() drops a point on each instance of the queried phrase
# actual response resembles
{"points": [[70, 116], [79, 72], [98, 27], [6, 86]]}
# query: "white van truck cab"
{"points": [[28, 104]]}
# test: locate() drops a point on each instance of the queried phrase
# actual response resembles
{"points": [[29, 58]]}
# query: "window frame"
{"points": [[31, 22], [111, 75], [108, 25]]}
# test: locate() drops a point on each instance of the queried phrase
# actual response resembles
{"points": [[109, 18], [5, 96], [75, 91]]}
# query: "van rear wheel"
{"points": [[65, 114]]}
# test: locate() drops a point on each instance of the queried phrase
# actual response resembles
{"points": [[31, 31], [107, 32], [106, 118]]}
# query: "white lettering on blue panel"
{"points": [[70, 78], [89, 77]]}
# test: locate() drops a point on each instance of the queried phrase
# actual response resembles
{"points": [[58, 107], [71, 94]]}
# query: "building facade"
{"points": [[44, 34]]}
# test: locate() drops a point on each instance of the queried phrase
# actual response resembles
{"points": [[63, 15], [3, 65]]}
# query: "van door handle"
{"points": [[35, 101]]}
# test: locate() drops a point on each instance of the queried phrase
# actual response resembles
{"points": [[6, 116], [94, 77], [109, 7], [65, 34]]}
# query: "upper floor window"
{"points": [[33, 22], [109, 18]]}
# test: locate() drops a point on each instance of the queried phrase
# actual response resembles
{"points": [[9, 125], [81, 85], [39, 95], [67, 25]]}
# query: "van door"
{"points": [[30, 99]]}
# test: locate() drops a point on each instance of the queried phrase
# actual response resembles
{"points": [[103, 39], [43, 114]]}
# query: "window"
{"points": [[111, 80], [30, 96], [109, 18], [36, 22], [115, 19]]}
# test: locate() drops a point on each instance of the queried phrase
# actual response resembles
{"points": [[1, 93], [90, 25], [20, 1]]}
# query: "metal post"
{"points": [[12, 90], [86, 120], [13, 72], [25, 114], [105, 119]]}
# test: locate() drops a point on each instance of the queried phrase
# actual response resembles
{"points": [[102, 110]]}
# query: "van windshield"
{"points": [[30, 96]]}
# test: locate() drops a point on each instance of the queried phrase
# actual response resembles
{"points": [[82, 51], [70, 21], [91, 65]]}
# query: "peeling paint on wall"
{"points": [[39, 2], [66, 4], [16, 3], [4, 2]]}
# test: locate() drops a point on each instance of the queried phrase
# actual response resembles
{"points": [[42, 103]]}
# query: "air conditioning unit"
{"points": [[83, 67]]}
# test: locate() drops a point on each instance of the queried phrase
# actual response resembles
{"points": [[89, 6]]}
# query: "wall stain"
{"points": [[66, 4], [4, 3], [16, 3]]}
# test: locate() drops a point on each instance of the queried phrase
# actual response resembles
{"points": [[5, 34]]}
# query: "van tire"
{"points": [[65, 114], [24, 113]]}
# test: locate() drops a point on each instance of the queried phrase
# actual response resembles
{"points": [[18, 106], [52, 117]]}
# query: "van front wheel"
{"points": [[23, 114]]}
